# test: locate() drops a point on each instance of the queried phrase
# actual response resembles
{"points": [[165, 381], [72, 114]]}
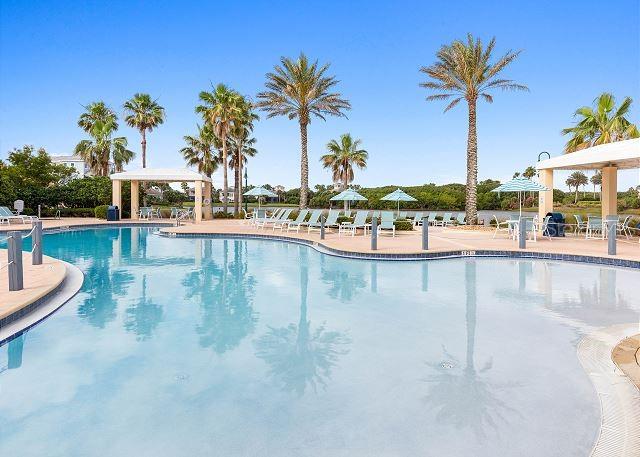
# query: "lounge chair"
{"points": [[459, 219], [7, 215], [446, 220], [347, 213], [314, 218], [432, 218], [332, 221], [375, 214], [417, 219], [283, 217], [302, 215], [360, 221], [386, 223], [402, 215], [273, 217]]}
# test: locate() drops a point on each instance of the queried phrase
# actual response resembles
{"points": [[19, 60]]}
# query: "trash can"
{"points": [[113, 213], [555, 227]]}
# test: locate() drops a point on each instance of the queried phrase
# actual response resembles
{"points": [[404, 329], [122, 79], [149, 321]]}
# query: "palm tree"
{"points": [[221, 108], [200, 152], [97, 111], [143, 113], [464, 71], [596, 180], [103, 147], [342, 157], [604, 124], [299, 90], [529, 172], [576, 179], [242, 147]]}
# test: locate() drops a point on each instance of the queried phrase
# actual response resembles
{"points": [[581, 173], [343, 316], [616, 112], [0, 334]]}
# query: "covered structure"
{"points": [[201, 182], [609, 158]]}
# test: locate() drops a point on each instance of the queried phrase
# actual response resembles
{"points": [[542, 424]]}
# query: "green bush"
{"points": [[68, 212], [403, 225], [101, 211], [342, 219], [222, 215]]}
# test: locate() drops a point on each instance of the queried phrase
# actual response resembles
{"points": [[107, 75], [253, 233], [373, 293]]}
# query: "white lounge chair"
{"points": [[386, 223], [284, 216], [331, 221], [314, 218], [360, 221]]}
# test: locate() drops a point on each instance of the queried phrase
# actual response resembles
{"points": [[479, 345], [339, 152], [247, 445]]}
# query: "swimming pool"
{"points": [[249, 347]]}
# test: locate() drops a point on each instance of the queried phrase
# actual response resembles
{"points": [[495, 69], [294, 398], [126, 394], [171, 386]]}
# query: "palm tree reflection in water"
{"points": [[463, 397], [298, 355], [144, 316], [225, 294]]}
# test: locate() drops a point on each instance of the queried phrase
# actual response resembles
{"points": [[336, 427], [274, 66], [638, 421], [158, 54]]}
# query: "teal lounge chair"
{"points": [[283, 217], [386, 223], [402, 215], [459, 219], [417, 219], [332, 221], [302, 215], [315, 217], [432, 218], [360, 221], [446, 220]]}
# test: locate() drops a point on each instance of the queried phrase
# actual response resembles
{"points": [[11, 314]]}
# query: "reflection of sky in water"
{"points": [[231, 347]]}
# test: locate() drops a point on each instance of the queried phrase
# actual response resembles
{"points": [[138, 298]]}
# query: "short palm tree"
{"points": [[200, 151], [604, 124], [342, 158], [596, 180], [103, 148], [97, 111], [221, 108], [575, 180], [299, 90], [464, 71], [144, 114]]}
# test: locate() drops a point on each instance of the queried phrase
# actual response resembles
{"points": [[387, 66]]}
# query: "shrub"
{"points": [[403, 225], [101, 211], [222, 215], [342, 219], [69, 212]]}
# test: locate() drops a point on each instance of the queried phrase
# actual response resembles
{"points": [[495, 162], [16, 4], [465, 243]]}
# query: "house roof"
{"points": [[621, 154], [160, 174]]}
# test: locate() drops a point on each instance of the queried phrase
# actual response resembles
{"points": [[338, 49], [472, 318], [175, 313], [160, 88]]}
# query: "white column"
{"points": [[609, 191], [135, 199], [116, 193], [545, 198], [198, 205]]}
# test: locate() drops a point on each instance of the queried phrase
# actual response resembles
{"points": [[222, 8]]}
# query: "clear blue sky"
{"points": [[56, 56]]}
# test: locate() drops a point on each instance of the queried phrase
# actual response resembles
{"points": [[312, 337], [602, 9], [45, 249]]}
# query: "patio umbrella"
{"points": [[260, 192], [348, 195], [399, 195], [520, 185]]}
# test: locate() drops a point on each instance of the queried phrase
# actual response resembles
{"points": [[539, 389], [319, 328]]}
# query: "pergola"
{"points": [[609, 158], [163, 175]]}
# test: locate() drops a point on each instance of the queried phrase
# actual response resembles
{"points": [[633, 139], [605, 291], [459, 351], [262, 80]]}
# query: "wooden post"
{"points": [[135, 199], [609, 191]]}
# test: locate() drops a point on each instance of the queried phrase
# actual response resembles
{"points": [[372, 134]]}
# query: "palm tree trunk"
{"points": [[304, 166], [576, 199], [471, 207], [236, 186], [225, 179], [240, 198], [345, 183], [143, 144]]}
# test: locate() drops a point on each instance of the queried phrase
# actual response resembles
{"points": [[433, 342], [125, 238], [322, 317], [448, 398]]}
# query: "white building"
{"points": [[76, 162]]}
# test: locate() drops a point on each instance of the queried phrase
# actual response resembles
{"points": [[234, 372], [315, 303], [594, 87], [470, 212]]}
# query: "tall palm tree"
{"points": [[604, 124], [596, 180], [242, 146], [104, 147], [465, 71], [97, 111], [342, 157], [221, 108], [145, 114], [299, 90]]}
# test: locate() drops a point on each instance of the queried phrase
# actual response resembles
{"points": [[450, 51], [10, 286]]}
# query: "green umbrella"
{"points": [[348, 195], [399, 195], [259, 192]]}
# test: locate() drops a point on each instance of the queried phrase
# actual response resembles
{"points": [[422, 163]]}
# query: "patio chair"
{"points": [[459, 219], [446, 220], [314, 218], [302, 215], [332, 221], [347, 213], [499, 225], [417, 219], [543, 226], [402, 215], [360, 221], [375, 214], [266, 218], [580, 224], [174, 212], [144, 212], [432, 217], [386, 223], [7, 215], [594, 227], [624, 228]]}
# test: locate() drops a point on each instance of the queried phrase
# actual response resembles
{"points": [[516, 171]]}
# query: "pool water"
{"points": [[228, 347]]}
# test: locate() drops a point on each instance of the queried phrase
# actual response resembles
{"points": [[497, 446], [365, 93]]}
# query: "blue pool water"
{"points": [[203, 347]]}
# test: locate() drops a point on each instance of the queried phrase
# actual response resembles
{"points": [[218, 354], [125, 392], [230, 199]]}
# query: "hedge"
{"points": [[403, 225], [101, 211]]}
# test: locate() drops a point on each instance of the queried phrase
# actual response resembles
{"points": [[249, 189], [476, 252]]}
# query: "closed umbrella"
{"points": [[259, 192], [348, 195], [520, 185], [399, 196]]}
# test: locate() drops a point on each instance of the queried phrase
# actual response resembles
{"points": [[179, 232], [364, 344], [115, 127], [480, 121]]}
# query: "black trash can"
{"points": [[113, 213], [555, 227]]}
